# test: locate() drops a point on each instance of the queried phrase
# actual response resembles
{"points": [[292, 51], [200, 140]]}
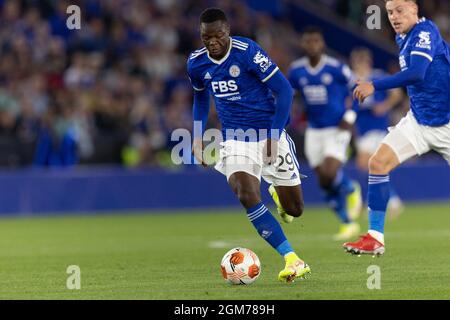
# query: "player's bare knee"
{"points": [[295, 208], [379, 165], [247, 197]]}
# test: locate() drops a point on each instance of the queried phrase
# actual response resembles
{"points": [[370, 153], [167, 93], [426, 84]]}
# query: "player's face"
{"points": [[313, 44], [360, 60], [216, 38], [402, 14]]}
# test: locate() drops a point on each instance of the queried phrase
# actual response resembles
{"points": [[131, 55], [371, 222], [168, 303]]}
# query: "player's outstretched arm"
{"points": [[200, 113], [414, 74]]}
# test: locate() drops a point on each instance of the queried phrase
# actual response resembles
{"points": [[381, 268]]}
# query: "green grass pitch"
{"points": [[177, 256]]}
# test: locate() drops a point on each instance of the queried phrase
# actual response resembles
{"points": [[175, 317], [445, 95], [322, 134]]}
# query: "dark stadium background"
{"points": [[86, 115], [87, 181]]}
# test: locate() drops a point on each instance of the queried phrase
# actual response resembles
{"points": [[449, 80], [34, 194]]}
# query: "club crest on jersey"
{"points": [[263, 61], [327, 78], [425, 41], [234, 71]]}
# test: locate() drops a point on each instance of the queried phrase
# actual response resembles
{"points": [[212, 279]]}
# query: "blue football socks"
{"points": [[269, 228], [378, 197]]}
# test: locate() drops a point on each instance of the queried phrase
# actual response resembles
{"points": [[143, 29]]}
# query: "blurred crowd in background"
{"points": [[113, 91], [354, 12]]}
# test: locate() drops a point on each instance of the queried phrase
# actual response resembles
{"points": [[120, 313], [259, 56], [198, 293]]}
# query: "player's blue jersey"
{"points": [[430, 99], [367, 120], [323, 89], [237, 83]]}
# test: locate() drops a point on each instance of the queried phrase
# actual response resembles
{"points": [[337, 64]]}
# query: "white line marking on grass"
{"points": [[238, 242], [219, 244]]}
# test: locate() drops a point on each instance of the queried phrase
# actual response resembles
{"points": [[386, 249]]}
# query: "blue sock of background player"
{"points": [[337, 196]]}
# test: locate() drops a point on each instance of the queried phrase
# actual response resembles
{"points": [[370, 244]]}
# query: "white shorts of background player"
{"points": [[327, 142], [370, 141]]}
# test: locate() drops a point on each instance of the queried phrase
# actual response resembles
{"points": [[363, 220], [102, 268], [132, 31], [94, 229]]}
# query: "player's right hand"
{"points": [[197, 151]]}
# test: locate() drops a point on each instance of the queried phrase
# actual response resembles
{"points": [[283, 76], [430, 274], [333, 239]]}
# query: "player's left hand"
{"points": [[270, 152], [197, 151], [363, 90]]}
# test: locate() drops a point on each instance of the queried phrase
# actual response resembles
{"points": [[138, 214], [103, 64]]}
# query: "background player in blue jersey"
{"points": [[373, 118], [324, 86], [243, 81], [425, 62]]}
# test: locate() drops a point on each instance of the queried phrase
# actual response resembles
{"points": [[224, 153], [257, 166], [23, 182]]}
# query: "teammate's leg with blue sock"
{"points": [[378, 197]]}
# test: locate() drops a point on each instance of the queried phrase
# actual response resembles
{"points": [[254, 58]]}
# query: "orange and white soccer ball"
{"points": [[240, 266]]}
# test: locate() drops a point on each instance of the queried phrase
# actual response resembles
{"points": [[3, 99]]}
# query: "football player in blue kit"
{"points": [[324, 85], [251, 95], [373, 118], [425, 72]]}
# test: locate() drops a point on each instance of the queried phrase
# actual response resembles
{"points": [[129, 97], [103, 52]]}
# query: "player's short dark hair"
{"points": [[312, 30], [212, 15]]}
